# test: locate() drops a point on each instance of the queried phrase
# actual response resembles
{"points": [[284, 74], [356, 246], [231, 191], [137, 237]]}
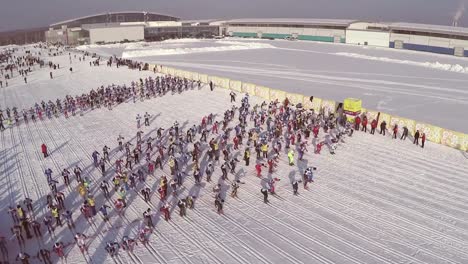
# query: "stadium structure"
{"points": [[135, 26]]}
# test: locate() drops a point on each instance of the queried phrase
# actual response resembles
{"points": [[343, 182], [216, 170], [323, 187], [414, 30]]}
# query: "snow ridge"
{"points": [[434, 65], [232, 45]]}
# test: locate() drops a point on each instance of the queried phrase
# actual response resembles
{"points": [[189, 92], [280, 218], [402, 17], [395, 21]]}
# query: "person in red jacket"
{"points": [[357, 123], [44, 150], [395, 131], [258, 168], [423, 139], [373, 126], [364, 124]]}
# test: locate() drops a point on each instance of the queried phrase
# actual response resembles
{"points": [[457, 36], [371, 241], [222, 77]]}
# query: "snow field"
{"points": [[375, 201], [426, 87]]}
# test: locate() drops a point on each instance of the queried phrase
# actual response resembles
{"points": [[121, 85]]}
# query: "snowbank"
{"points": [[178, 51], [433, 65]]}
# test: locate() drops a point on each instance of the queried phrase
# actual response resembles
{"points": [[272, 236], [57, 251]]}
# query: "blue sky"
{"points": [[16, 14]]}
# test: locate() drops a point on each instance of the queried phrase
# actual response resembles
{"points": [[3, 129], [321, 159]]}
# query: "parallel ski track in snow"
{"points": [[367, 215], [184, 233], [59, 127], [153, 251], [238, 257], [365, 172]]}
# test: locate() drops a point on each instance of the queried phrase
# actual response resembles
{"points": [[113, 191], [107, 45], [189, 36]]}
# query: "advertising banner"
{"points": [[277, 94], [295, 98], [249, 88], [262, 92], [235, 85], [433, 133]]}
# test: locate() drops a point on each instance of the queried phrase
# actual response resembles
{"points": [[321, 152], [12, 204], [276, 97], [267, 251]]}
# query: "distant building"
{"points": [[107, 27]]}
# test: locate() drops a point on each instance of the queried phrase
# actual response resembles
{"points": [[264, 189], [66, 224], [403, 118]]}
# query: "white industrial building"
{"points": [[105, 33], [364, 33]]}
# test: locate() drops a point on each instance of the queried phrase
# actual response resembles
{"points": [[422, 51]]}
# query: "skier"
{"points": [[383, 127], [81, 242], [291, 157], [395, 131], [44, 150], [233, 96], [166, 212], [44, 256], [416, 138], [235, 186], [23, 257], [404, 135], [219, 205], [265, 195], [59, 250], [295, 185], [128, 244], [148, 218], [308, 176], [147, 116], [182, 206], [48, 173], [373, 126], [112, 248]]}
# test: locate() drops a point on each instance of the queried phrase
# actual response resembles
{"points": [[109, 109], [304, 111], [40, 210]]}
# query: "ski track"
{"points": [[373, 202], [84, 167]]}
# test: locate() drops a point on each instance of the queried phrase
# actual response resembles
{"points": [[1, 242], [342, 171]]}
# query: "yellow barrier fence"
{"points": [[262, 92], [316, 103], [454, 139], [433, 133], [307, 104], [203, 78], [277, 95], [248, 88], [329, 106], [224, 83], [235, 85], [195, 76], [295, 98], [402, 122]]}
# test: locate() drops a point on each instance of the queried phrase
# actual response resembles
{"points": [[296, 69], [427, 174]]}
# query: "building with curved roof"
{"points": [[114, 17]]}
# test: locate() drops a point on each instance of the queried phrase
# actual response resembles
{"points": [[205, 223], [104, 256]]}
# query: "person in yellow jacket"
{"points": [[254, 138], [291, 157], [92, 204], [20, 212], [172, 164], [247, 156], [55, 214], [264, 149], [82, 190]]}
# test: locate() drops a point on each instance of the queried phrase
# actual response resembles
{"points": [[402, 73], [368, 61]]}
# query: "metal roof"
{"points": [[296, 21], [429, 28], [103, 14]]}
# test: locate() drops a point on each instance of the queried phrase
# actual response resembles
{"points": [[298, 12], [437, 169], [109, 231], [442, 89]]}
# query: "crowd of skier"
{"points": [[208, 151], [211, 147]]}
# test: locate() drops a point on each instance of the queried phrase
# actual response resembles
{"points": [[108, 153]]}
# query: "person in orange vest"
{"points": [[357, 123], [44, 150], [364, 124], [373, 126]]}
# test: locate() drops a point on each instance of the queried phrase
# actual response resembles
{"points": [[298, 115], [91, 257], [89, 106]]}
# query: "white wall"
{"points": [[373, 38], [431, 41], [112, 34]]}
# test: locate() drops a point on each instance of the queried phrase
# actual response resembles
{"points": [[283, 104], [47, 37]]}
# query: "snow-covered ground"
{"points": [[375, 201], [422, 86]]}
